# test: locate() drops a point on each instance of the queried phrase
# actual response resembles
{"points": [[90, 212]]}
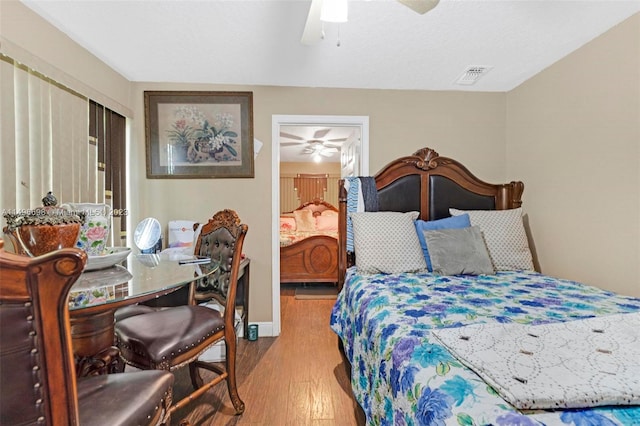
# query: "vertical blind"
{"points": [[289, 197], [46, 145], [310, 186], [44, 138], [107, 131]]}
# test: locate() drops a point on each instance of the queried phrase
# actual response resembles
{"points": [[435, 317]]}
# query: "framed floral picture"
{"points": [[199, 134]]}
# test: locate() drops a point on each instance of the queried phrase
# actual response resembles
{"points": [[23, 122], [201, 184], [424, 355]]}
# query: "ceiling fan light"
{"points": [[316, 158], [334, 11], [420, 6]]}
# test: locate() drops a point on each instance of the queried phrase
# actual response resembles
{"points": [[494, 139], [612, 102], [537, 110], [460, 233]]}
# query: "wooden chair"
{"points": [[38, 383], [172, 337]]}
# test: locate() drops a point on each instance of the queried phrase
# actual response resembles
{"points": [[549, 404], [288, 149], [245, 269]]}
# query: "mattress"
{"points": [[402, 375]]}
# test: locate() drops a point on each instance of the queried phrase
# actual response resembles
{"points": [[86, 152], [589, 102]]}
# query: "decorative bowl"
{"points": [[112, 256], [34, 232], [40, 239]]}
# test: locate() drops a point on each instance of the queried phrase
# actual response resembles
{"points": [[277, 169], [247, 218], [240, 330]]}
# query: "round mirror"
{"points": [[148, 235]]}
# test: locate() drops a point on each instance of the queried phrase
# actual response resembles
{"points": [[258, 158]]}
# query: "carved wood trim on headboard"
{"points": [[317, 206], [427, 164]]}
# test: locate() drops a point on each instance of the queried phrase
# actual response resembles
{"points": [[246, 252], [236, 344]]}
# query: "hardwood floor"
{"points": [[298, 378]]}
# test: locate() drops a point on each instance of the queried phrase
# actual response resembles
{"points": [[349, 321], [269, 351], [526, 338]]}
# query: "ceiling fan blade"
{"points": [[336, 140], [319, 134], [420, 6], [290, 136], [328, 151], [332, 145], [291, 143], [313, 27]]}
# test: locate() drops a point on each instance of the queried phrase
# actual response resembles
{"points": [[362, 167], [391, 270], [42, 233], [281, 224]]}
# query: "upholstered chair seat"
{"points": [[147, 342], [132, 310], [123, 399]]}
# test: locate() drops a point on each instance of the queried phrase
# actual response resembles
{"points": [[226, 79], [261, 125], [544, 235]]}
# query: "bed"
{"points": [[309, 244], [400, 330]]}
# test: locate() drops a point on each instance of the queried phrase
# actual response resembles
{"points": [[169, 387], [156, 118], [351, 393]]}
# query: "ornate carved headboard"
{"points": [[430, 184], [317, 206]]}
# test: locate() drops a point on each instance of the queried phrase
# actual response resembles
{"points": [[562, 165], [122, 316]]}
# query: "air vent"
{"points": [[472, 74]]}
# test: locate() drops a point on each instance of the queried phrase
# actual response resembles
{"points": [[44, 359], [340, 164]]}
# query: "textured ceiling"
{"points": [[384, 45]]}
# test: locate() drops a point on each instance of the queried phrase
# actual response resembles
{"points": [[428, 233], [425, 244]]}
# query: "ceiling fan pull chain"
{"points": [[338, 42], [322, 30]]}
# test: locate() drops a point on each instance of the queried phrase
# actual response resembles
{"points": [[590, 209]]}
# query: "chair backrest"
{"points": [[37, 373], [221, 238]]}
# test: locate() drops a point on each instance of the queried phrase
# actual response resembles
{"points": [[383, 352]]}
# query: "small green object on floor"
{"points": [[253, 332]]}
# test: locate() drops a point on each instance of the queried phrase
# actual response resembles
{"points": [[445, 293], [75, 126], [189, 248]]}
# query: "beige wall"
{"points": [[573, 137], [466, 126]]}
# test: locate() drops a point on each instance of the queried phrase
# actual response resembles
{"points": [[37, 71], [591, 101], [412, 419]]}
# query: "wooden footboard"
{"points": [[314, 259]]}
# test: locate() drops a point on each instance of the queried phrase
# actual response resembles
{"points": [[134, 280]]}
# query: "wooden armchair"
{"points": [[172, 337], [38, 383]]}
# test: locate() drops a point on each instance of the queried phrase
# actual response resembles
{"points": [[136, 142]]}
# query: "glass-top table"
{"points": [[97, 294], [146, 276]]}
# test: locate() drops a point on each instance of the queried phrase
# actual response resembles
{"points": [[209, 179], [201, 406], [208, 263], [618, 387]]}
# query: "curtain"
{"points": [[290, 198], [310, 186]]}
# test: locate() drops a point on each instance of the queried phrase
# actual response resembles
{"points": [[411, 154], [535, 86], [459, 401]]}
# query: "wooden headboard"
{"points": [[317, 206], [430, 184]]}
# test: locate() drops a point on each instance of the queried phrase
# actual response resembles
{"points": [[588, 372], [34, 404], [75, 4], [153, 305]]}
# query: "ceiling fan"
{"points": [[336, 11], [317, 145]]}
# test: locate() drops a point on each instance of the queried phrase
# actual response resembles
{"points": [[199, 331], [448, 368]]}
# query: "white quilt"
{"points": [[581, 363]]}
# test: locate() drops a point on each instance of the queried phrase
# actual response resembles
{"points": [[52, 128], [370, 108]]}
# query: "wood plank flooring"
{"points": [[298, 378]]}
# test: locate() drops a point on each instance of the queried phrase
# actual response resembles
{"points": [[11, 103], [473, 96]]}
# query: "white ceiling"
{"points": [[384, 45]]}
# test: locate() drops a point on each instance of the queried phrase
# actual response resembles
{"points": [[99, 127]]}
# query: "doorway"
{"points": [[278, 121]]}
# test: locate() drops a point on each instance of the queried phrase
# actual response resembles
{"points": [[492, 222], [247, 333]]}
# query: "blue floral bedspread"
{"points": [[402, 376]]}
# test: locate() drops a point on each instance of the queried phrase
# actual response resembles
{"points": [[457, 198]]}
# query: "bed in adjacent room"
{"points": [[452, 324], [309, 244]]}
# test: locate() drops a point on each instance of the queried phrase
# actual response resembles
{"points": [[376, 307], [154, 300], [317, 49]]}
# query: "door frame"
{"points": [[302, 120]]}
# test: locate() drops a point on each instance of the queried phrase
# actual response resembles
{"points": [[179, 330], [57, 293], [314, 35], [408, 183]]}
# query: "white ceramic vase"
{"points": [[94, 233]]}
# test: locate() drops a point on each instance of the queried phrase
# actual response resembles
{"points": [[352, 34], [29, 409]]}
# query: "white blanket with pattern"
{"points": [[581, 363]]}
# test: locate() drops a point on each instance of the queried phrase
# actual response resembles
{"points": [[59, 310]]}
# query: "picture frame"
{"points": [[199, 134]]}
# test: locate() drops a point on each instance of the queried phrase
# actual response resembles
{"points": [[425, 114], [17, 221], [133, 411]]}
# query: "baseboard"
{"points": [[265, 329]]}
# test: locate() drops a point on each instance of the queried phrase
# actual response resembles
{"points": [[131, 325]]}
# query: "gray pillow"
{"points": [[458, 251]]}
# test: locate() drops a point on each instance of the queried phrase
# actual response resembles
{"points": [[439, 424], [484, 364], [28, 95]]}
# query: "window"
{"points": [[53, 138]]}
